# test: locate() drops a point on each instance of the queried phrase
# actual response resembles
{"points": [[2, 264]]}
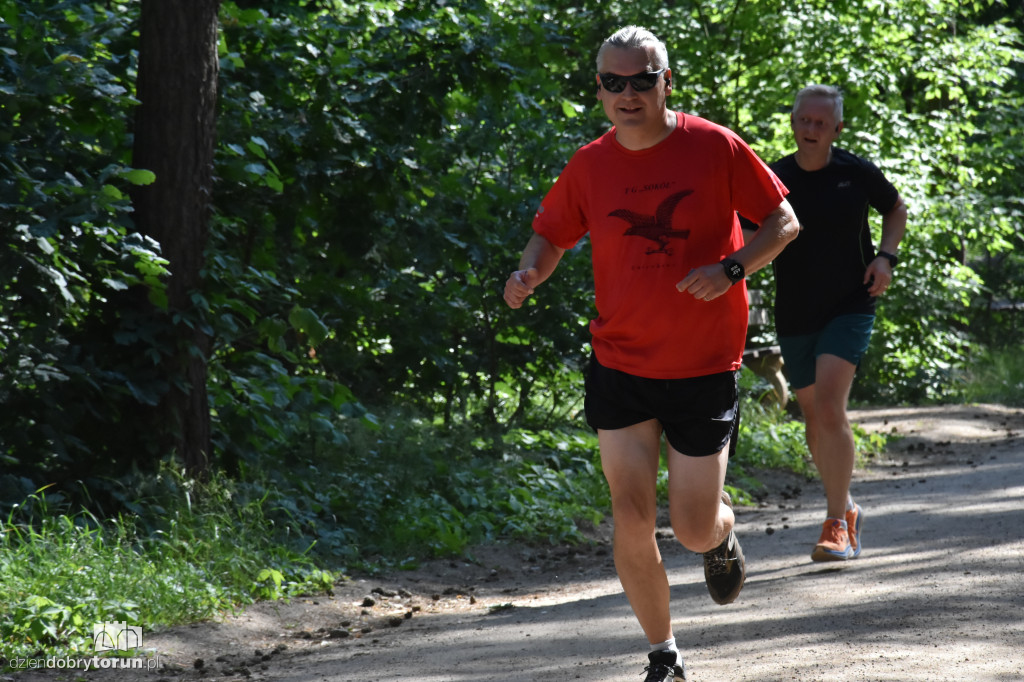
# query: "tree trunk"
{"points": [[174, 138]]}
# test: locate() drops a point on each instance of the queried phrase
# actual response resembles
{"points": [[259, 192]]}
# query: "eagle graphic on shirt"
{"points": [[657, 228]]}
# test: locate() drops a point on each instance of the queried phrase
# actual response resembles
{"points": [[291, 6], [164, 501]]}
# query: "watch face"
{"points": [[733, 270]]}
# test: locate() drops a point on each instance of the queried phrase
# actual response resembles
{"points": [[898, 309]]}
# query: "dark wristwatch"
{"points": [[733, 270], [891, 257]]}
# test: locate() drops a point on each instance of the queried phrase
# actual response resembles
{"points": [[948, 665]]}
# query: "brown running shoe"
{"points": [[724, 567]]}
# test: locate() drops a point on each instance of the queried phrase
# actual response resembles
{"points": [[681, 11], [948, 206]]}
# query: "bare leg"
{"points": [[829, 436], [700, 520], [630, 460]]}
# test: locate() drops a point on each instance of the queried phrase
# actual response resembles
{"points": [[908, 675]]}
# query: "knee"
{"points": [[634, 514], [698, 540], [831, 418], [697, 532]]}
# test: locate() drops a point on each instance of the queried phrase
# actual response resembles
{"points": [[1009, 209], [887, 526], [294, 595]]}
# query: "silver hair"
{"points": [[637, 38], [826, 91]]}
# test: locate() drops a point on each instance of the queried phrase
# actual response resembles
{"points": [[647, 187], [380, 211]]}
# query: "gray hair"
{"points": [[637, 38], [826, 91]]}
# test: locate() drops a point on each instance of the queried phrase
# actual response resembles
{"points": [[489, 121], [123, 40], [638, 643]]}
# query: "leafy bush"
{"points": [[191, 554], [407, 489], [377, 168], [68, 341]]}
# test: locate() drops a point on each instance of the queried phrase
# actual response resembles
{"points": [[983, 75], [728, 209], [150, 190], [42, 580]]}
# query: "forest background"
{"points": [[251, 332]]}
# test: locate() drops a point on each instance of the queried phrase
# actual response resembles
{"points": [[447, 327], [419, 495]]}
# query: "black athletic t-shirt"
{"points": [[820, 274]]}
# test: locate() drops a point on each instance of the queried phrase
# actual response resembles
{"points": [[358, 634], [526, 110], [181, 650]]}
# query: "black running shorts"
{"points": [[698, 415]]}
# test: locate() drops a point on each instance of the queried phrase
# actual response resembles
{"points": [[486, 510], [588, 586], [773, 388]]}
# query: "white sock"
{"points": [[667, 645], [849, 503]]}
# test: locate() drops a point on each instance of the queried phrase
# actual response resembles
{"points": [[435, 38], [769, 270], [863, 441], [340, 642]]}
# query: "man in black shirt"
{"points": [[827, 282]]}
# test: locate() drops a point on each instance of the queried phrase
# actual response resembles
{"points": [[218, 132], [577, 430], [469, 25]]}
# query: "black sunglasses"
{"points": [[640, 81]]}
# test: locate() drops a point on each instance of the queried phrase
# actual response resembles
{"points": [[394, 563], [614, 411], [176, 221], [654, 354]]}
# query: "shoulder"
{"points": [[701, 136], [787, 162], [697, 126], [841, 158], [786, 169], [596, 146], [592, 152]]}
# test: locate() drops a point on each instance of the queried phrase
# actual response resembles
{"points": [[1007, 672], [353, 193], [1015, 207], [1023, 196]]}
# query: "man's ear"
{"points": [[839, 127]]}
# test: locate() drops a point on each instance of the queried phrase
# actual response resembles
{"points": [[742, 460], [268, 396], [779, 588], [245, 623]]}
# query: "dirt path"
{"points": [[938, 593]]}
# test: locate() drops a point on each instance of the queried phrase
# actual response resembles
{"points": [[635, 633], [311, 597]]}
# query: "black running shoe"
{"points": [[724, 568], [666, 666]]}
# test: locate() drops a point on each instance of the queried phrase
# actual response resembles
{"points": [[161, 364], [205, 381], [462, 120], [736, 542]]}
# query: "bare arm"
{"points": [[778, 229], [539, 259], [894, 226]]}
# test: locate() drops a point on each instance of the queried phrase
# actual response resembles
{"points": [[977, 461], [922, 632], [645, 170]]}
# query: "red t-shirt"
{"points": [[653, 215]]}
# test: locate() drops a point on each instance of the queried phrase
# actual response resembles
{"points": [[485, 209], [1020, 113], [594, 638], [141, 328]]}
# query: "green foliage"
{"points": [[402, 489], [189, 555], [69, 252], [769, 438], [995, 376], [377, 170], [405, 171]]}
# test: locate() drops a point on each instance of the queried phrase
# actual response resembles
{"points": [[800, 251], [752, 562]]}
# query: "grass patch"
{"points": [[994, 376], [62, 573]]}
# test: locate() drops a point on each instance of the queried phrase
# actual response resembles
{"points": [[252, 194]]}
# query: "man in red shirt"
{"points": [[658, 195]]}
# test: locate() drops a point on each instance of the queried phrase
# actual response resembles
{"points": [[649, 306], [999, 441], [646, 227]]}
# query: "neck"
{"points": [[636, 139], [811, 161]]}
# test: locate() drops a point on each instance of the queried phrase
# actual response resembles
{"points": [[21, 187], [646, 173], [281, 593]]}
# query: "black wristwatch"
{"points": [[891, 257], [733, 270]]}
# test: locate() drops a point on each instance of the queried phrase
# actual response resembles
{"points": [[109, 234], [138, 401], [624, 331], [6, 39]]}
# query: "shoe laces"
{"points": [[834, 531], [659, 672], [717, 560]]}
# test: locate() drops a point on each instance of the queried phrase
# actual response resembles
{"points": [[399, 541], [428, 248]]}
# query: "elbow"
{"points": [[790, 225], [792, 231], [899, 211]]}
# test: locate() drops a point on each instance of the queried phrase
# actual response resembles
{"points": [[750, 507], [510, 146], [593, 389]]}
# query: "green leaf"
{"points": [[139, 176], [307, 322]]}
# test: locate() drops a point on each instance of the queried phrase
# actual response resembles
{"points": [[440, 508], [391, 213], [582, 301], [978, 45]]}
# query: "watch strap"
{"points": [[891, 257]]}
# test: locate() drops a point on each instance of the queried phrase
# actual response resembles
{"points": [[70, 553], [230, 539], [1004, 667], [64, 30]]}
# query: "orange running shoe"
{"points": [[853, 518], [834, 544]]}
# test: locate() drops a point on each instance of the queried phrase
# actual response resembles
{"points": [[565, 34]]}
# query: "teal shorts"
{"points": [[846, 336]]}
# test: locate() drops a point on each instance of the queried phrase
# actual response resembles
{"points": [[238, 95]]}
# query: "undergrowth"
{"points": [[996, 375], [769, 438], [393, 492], [184, 559]]}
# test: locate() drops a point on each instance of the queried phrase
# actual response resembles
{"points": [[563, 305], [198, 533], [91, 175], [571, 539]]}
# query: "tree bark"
{"points": [[174, 138]]}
